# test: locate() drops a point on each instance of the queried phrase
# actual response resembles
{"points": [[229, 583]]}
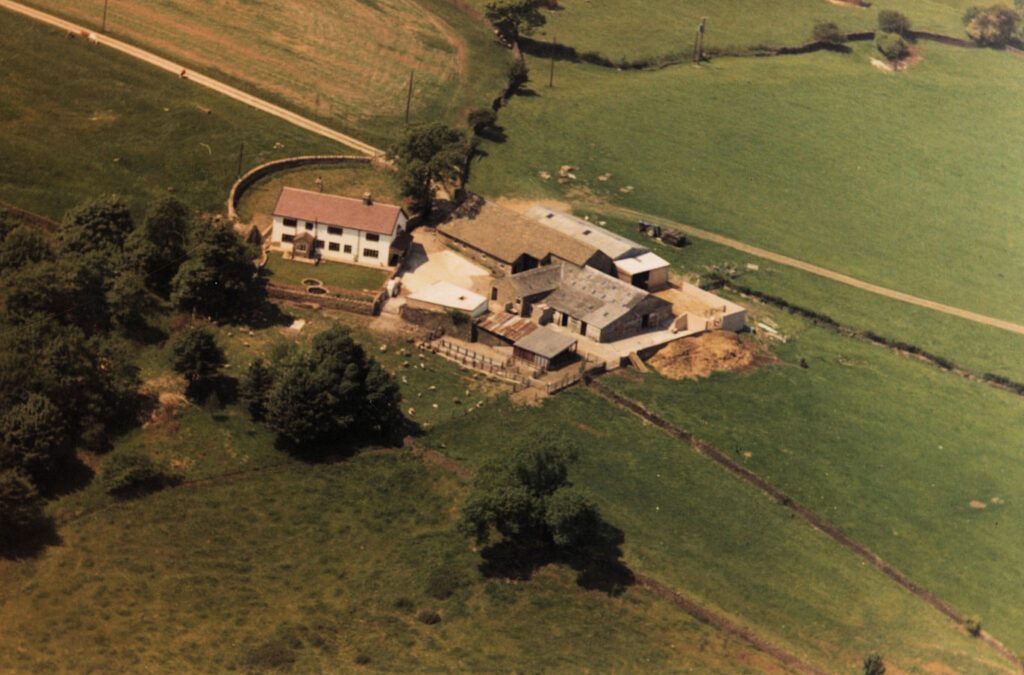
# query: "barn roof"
{"points": [[546, 342], [613, 245], [317, 207], [506, 325]]}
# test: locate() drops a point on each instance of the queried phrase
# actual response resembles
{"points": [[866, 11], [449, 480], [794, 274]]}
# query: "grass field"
{"points": [[77, 122], [320, 569], [711, 536], [346, 63], [339, 275], [892, 451], [660, 27], [820, 157], [347, 180]]}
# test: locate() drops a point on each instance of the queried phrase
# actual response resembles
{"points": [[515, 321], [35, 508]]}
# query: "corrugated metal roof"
{"points": [[316, 207], [613, 245], [508, 326]]}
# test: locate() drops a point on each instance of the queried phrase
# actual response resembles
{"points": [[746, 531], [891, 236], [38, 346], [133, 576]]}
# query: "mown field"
{"points": [[706, 534], [659, 27], [919, 465], [77, 122], [345, 63], [321, 568], [904, 181]]}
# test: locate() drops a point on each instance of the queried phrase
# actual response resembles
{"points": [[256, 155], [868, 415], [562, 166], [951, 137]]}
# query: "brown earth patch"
{"points": [[699, 356], [975, 504], [521, 205], [939, 668]]}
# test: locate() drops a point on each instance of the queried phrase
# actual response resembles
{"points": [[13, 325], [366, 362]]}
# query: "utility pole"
{"points": [[554, 48], [698, 43], [408, 98], [103, 26], [241, 149]]}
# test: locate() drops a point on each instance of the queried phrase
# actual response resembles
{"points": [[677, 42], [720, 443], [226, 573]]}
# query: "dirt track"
{"points": [[820, 271], [202, 80]]}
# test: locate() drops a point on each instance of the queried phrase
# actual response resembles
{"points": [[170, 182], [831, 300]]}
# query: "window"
{"points": [[309, 226], [348, 248], [318, 244], [332, 247], [287, 238], [336, 231], [370, 253], [494, 293], [289, 222], [372, 237]]}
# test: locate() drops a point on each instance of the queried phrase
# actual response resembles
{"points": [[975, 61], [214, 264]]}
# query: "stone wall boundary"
{"points": [[250, 177]]}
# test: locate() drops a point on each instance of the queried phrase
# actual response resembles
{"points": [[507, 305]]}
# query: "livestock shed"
{"points": [[544, 348], [503, 329], [632, 262], [582, 300], [504, 239], [446, 296]]}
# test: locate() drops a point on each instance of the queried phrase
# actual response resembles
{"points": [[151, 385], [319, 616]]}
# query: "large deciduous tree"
{"points": [[196, 354], [991, 26], [427, 156], [219, 279], [157, 248], [513, 18], [98, 225]]}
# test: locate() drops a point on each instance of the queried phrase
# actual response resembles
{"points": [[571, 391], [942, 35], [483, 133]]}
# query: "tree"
{"points": [[196, 354], [891, 21], [24, 246], [35, 438], [97, 225], [220, 279], [892, 46], [481, 119], [429, 155], [332, 394], [513, 18], [129, 301], [132, 474], [21, 511], [992, 26], [828, 33], [255, 387], [528, 500], [873, 665], [158, 248]]}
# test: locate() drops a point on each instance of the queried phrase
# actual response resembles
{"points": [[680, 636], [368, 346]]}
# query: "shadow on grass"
{"points": [[214, 393], [598, 564], [31, 544], [268, 315]]}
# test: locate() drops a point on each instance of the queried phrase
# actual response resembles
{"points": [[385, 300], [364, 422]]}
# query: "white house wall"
{"points": [[356, 240]]}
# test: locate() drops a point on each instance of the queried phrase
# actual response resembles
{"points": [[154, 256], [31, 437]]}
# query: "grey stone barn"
{"points": [[582, 300]]}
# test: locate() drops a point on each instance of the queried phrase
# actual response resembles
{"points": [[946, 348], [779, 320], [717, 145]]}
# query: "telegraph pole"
{"points": [[103, 26], [698, 43], [408, 98], [241, 149], [554, 47]]}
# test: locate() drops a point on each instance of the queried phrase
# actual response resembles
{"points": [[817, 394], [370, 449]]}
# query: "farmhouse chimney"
{"points": [[368, 199]]}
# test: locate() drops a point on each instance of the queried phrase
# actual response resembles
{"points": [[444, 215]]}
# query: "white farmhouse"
{"points": [[314, 225]]}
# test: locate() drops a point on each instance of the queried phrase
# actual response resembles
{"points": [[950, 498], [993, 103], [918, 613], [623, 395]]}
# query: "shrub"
{"points": [[444, 581], [362, 659], [892, 46], [21, 511], [891, 21], [973, 626], [873, 665], [133, 474], [428, 617], [829, 33], [991, 26], [274, 654]]}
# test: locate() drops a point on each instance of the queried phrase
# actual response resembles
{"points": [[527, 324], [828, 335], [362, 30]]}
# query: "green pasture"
{"points": [[979, 348], [348, 180], [712, 537], [918, 464], [904, 180], [339, 275], [78, 121], [320, 568], [623, 29]]}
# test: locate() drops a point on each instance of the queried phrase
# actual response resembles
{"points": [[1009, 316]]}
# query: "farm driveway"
{"points": [[431, 261], [202, 80]]}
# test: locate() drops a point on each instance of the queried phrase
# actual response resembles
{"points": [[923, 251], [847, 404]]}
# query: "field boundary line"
{"points": [[198, 78], [815, 269], [714, 454]]}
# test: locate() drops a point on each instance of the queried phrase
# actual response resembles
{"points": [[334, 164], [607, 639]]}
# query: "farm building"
{"points": [[699, 310], [319, 226], [545, 349], [583, 300], [511, 243], [446, 296], [631, 262]]}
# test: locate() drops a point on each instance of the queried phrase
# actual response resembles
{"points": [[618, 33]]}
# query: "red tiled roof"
{"points": [[316, 207]]}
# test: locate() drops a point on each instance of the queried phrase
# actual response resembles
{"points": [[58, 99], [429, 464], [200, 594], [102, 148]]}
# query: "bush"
{"points": [[428, 617], [444, 581], [973, 626], [829, 33], [891, 21], [133, 474], [274, 654], [873, 665], [21, 511], [991, 26], [892, 46]]}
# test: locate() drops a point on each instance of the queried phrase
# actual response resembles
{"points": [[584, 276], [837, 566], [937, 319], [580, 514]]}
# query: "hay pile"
{"points": [[693, 357]]}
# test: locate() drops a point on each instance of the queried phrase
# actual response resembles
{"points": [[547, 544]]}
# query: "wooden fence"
{"points": [[29, 218]]}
